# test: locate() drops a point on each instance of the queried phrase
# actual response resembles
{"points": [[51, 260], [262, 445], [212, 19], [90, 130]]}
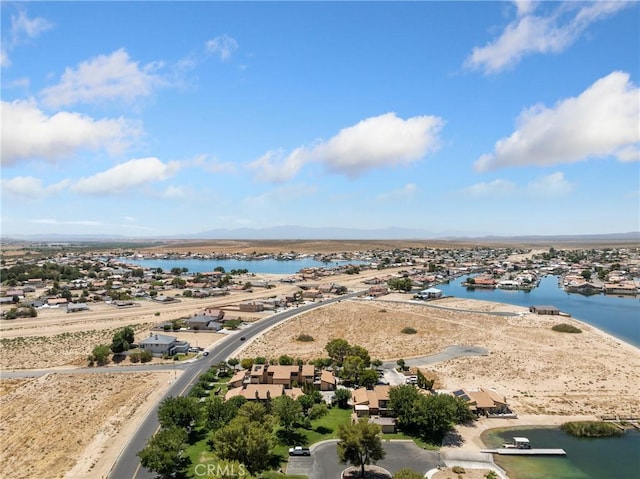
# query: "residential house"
{"points": [[430, 293], [202, 322], [484, 402], [76, 307], [544, 310], [371, 402], [161, 344], [327, 381], [251, 306]]}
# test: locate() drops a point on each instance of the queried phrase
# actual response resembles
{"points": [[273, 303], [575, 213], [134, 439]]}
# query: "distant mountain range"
{"points": [[318, 233]]}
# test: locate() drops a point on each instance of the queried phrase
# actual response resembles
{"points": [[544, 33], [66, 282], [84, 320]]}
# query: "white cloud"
{"points": [[29, 187], [375, 142], [552, 32], [28, 133], [213, 165], [406, 191], [602, 121], [552, 185], [175, 193], [130, 174], [23, 26], [495, 188], [54, 221], [22, 30], [104, 78], [549, 186], [223, 45]]}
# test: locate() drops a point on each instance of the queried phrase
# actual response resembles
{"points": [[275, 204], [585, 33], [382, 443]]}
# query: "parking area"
{"points": [[299, 465]]}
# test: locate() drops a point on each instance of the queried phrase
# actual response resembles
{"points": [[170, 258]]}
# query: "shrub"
{"points": [[305, 338], [166, 327], [409, 330], [157, 313], [591, 429], [458, 470], [145, 356], [566, 328], [134, 357]]}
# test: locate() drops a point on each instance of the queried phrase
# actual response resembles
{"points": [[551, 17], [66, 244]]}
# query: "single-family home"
{"points": [[161, 344], [202, 322], [76, 307], [544, 310], [484, 401]]}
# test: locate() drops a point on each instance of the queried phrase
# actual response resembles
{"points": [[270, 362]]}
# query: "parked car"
{"points": [[299, 451]]}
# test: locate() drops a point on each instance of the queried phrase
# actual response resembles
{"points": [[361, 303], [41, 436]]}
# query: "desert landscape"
{"points": [[546, 376], [55, 419], [540, 371]]}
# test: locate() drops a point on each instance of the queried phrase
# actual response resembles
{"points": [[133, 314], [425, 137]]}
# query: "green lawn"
{"points": [[322, 429]]}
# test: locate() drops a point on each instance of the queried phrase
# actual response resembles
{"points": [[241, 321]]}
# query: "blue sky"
{"points": [[166, 118]]}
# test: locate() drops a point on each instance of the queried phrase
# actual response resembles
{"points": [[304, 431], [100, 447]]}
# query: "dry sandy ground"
{"points": [[45, 429], [447, 473], [538, 370]]}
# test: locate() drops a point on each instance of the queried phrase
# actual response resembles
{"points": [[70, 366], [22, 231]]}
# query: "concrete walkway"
{"points": [[469, 460]]}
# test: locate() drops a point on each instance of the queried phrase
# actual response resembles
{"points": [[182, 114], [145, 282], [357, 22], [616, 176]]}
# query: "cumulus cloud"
{"points": [[28, 133], [29, 187], [213, 165], [551, 32], [223, 45], [493, 188], [602, 121], [376, 142], [175, 193], [124, 176], [104, 78], [549, 186], [406, 191]]}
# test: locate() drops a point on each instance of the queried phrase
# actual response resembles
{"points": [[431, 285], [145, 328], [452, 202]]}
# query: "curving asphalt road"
{"points": [[128, 465], [324, 463]]}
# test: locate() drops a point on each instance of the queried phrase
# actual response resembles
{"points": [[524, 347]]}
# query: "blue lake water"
{"points": [[587, 458], [265, 266], [617, 315]]}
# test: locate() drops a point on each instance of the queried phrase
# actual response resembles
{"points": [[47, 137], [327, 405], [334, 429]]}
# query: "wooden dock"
{"points": [[526, 452]]}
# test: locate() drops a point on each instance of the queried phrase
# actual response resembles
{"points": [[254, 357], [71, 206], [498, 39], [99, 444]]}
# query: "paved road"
{"points": [[448, 353], [128, 464], [140, 368], [324, 464]]}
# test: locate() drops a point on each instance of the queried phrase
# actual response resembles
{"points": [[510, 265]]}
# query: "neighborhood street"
{"points": [[128, 464]]}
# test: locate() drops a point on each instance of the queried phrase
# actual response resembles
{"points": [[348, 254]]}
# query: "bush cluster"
{"points": [[566, 328]]}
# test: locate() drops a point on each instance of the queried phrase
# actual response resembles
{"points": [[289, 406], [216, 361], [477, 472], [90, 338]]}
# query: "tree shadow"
{"points": [[452, 439], [118, 358], [291, 438]]}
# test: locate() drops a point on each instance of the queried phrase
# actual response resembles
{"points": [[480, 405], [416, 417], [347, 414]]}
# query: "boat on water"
{"points": [[518, 443]]}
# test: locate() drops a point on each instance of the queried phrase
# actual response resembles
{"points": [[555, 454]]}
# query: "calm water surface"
{"points": [[617, 315], [265, 266], [587, 458]]}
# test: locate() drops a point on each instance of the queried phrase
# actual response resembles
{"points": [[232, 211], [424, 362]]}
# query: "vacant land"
{"points": [[538, 370], [46, 428]]}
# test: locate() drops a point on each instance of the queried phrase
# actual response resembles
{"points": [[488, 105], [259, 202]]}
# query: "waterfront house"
{"points": [[544, 310], [484, 401]]}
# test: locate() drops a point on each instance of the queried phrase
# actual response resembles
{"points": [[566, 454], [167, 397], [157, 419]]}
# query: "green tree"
{"points": [[178, 411], [233, 362], [401, 400], [100, 354], [246, 363], [317, 411], [338, 349], [362, 353], [352, 366], [254, 412], [360, 444], [400, 284], [247, 442], [368, 378], [401, 364], [285, 360], [306, 402], [342, 396], [218, 412], [289, 411], [586, 274], [163, 453]]}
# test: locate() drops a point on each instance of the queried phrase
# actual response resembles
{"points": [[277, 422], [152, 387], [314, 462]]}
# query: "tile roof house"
{"points": [[484, 401]]}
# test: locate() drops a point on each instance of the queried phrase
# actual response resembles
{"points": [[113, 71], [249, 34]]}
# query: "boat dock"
{"points": [[526, 452]]}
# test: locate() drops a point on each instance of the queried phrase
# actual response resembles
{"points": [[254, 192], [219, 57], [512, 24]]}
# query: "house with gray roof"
{"points": [[203, 322], [161, 344]]}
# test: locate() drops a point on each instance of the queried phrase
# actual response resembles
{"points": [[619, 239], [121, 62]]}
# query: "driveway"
{"points": [[324, 463]]}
